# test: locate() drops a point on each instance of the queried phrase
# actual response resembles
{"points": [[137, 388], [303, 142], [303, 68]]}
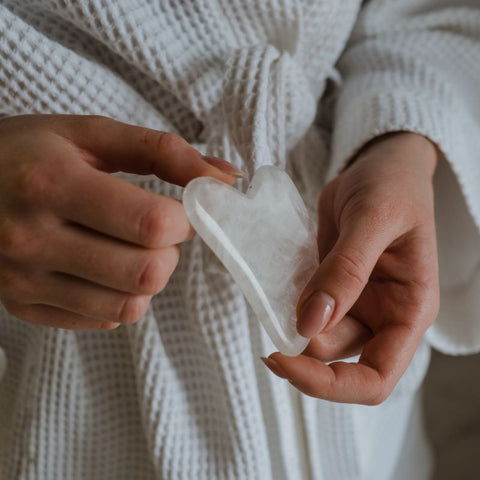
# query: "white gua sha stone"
{"points": [[265, 239]]}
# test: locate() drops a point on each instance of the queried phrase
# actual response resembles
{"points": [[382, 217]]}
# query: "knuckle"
{"points": [[167, 142], [132, 308], [151, 279], [378, 395], [423, 304], [314, 391], [352, 264], [35, 183], [21, 242], [152, 225], [12, 239]]}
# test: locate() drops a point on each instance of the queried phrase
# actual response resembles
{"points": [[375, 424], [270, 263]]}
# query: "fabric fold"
{"points": [[430, 87]]}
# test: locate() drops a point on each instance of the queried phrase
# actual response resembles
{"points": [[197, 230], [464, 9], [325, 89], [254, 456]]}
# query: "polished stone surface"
{"points": [[265, 239]]}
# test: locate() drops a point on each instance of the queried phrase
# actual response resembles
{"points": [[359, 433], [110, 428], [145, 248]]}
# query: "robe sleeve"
{"points": [[415, 66]]}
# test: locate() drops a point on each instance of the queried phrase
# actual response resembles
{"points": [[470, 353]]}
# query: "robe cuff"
{"points": [[441, 115], [445, 121]]}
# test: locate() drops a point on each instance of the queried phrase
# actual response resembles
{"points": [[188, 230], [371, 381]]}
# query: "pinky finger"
{"points": [[48, 316]]}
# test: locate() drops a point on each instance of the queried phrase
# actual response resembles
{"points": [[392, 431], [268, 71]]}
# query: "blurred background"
{"points": [[452, 414]]}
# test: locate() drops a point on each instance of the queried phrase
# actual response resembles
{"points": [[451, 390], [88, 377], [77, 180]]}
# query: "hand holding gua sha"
{"points": [[267, 242]]}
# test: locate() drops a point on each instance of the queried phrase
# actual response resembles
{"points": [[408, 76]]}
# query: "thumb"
{"points": [[342, 275], [117, 146]]}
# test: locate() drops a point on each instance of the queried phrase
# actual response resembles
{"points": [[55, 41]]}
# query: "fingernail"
{"points": [[316, 313], [109, 325], [224, 166], [274, 367]]}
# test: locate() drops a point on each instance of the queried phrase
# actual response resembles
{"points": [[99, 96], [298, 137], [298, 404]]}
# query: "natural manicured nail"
{"points": [[274, 367], [316, 313], [224, 166], [109, 325]]}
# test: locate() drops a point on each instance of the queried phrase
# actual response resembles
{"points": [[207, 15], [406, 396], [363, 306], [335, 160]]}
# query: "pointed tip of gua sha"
{"points": [[267, 242]]}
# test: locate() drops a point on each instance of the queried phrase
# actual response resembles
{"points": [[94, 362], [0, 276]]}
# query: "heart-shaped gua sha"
{"points": [[265, 239]]}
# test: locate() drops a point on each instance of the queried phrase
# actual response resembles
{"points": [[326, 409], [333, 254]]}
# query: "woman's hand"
{"points": [[80, 248], [376, 290]]}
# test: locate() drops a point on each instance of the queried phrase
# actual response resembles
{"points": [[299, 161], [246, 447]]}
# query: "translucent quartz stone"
{"points": [[265, 239]]}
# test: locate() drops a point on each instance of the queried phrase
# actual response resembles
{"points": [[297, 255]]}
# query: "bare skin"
{"points": [[376, 289], [79, 248]]}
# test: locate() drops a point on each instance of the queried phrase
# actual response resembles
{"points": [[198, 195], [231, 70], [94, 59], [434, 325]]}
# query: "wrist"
{"points": [[411, 145]]}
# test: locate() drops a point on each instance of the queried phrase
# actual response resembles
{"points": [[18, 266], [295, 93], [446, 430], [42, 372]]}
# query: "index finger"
{"points": [[117, 208], [370, 381], [118, 146]]}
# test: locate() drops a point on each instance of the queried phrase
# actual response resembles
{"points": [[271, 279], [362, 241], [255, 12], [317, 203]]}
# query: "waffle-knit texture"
{"points": [[182, 394]]}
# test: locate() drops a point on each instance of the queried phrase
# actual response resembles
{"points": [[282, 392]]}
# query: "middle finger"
{"points": [[109, 262]]}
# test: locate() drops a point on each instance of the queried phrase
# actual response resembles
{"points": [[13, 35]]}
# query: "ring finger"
{"points": [[55, 317], [85, 298], [110, 262]]}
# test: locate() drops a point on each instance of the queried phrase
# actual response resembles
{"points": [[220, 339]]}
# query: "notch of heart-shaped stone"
{"points": [[265, 239]]}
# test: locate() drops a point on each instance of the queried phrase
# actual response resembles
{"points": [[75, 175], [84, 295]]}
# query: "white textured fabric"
{"points": [[414, 65], [182, 394]]}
